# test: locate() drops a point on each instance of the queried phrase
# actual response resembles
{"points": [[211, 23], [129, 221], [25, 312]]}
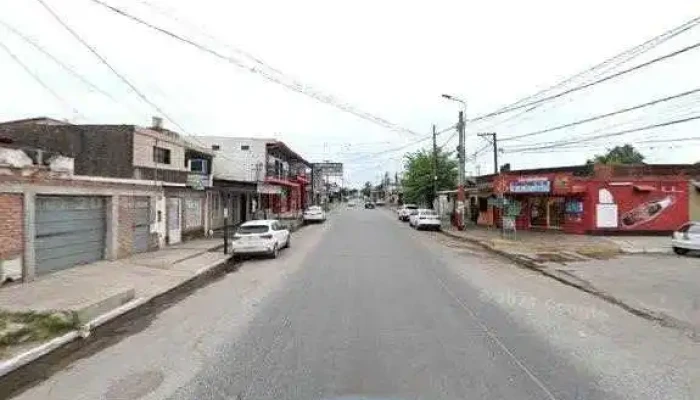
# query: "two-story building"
{"points": [[278, 175], [130, 189]]}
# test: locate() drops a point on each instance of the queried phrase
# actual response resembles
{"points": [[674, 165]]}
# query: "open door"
{"points": [[173, 221]]}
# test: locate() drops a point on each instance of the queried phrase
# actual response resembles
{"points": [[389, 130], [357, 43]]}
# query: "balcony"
{"points": [[199, 181]]}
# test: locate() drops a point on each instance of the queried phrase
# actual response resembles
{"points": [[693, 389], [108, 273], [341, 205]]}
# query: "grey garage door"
{"points": [[70, 230], [142, 222]]}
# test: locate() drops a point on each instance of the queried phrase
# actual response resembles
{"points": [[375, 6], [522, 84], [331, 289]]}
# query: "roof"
{"points": [[36, 120], [284, 147]]}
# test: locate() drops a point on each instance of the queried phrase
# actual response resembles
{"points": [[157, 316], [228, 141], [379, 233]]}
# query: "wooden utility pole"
{"points": [[460, 183], [494, 142]]}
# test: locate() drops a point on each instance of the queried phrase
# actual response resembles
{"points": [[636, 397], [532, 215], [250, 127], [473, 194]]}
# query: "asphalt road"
{"points": [[359, 306]]}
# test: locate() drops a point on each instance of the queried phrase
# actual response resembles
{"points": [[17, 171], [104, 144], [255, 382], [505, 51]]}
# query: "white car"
{"points": [[405, 211], [424, 218], [265, 236], [351, 203], [314, 214], [687, 238]]}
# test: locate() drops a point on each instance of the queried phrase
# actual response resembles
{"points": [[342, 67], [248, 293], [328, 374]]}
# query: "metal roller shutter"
{"points": [[70, 230], [142, 222]]}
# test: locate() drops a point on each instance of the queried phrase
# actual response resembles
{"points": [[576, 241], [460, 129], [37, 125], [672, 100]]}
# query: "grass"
{"points": [[24, 327]]}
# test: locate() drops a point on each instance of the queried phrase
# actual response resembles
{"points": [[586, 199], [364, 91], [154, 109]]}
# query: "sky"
{"points": [[391, 59]]}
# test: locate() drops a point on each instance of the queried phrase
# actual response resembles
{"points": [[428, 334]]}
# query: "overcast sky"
{"points": [[390, 58]]}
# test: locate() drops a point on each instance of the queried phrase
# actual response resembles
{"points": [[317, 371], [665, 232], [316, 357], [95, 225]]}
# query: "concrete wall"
{"points": [[694, 202], [99, 150], [11, 235], [233, 163], [125, 223], [144, 142]]}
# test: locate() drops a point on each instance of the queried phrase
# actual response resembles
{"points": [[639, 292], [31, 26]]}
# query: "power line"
{"points": [[601, 116], [423, 139], [606, 135], [63, 65], [108, 65], [629, 53], [38, 80], [596, 82], [299, 88]]}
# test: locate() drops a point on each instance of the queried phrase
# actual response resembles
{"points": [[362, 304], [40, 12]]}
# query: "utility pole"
{"points": [[435, 165], [460, 177], [494, 141]]}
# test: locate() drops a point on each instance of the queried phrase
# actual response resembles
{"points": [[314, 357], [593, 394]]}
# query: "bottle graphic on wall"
{"points": [[645, 212]]}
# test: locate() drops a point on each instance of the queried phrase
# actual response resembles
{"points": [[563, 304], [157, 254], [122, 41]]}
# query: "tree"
{"points": [[626, 154], [367, 189], [418, 176]]}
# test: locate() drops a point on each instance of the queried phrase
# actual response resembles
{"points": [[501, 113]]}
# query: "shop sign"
{"points": [[538, 185]]}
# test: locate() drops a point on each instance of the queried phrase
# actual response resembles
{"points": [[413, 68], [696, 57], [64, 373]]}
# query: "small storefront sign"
{"points": [[531, 186]]}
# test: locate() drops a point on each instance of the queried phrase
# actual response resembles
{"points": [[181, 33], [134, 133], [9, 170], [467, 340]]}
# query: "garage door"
{"points": [[142, 223], [70, 230]]}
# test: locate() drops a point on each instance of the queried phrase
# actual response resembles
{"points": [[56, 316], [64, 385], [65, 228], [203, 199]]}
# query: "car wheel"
{"points": [[680, 251], [275, 251]]}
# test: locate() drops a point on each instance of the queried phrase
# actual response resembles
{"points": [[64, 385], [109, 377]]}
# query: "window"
{"points": [[249, 229], [161, 155], [245, 147], [198, 165]]}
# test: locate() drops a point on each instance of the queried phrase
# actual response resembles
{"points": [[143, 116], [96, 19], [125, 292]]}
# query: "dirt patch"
{"points": [[598, 252]]}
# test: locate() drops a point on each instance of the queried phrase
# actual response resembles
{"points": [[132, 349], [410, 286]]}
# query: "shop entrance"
{"points": [[555, 213], [547, 212]]}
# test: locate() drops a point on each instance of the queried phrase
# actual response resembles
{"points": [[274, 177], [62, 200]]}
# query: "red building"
{"points": [[588, 199], [287, 172]]}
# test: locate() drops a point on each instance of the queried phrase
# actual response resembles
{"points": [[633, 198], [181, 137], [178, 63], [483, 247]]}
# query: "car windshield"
{"points": [[314, 208], [410, 207], [251, 229], [428, 212]]}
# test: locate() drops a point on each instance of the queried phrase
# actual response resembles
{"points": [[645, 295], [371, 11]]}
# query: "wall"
{"points": [[146, 139], [669, 198], [11, 235], [232, 163], [694, 201], [99, 150], [125, 231]]}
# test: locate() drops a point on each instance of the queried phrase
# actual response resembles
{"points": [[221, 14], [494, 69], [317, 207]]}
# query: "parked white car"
{"points": [[266, 236], [424, 218], [405, 211], [686, 238], [314, 214]]}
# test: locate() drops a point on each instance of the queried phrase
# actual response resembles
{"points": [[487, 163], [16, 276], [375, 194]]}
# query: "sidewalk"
{"points": [[89, 295], [656, 285]]}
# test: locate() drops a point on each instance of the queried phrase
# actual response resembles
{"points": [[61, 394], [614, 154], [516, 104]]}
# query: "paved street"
{"points": [[363, 305]]}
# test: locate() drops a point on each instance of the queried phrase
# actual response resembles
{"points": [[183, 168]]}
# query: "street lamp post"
{"points": [[462, 160]]}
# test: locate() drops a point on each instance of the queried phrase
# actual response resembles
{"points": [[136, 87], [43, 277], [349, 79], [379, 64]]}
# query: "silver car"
{"points": [[687, 238]]}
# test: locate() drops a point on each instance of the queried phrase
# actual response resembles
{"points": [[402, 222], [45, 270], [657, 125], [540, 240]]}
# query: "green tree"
{"points": [[626, 154], [418, 177]]}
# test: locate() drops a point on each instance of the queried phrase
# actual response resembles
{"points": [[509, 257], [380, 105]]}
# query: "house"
{"points": [[278, 174], [179, 170], [51, 219]]}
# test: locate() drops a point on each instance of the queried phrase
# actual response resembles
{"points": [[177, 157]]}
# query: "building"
{"points": [[280, 175], [600, 199], [153, 156], [51, 219]]}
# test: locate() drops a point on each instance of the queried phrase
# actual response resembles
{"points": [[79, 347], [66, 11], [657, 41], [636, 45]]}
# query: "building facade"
{"points": [[281, 177], [600, 199]]}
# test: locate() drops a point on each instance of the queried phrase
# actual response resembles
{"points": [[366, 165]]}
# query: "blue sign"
{"points": [[531, 186]]}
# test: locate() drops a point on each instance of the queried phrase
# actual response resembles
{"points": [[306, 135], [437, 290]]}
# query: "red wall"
{"points": [[628, 199]]}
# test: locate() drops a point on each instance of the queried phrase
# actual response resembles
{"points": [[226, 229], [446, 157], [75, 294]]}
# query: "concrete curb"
{"points": [[45, 349], [654, 316]]}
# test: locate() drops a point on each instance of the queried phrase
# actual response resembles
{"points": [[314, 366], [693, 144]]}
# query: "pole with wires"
{"points": [[460, 183], [494, 142], [435, 165]]}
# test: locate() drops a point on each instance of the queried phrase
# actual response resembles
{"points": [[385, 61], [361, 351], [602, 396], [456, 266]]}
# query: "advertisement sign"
{"points": [[536, 185]]}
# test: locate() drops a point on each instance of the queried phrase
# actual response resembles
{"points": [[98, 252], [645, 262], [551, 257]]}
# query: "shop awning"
{"points": [[644, 188]]}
